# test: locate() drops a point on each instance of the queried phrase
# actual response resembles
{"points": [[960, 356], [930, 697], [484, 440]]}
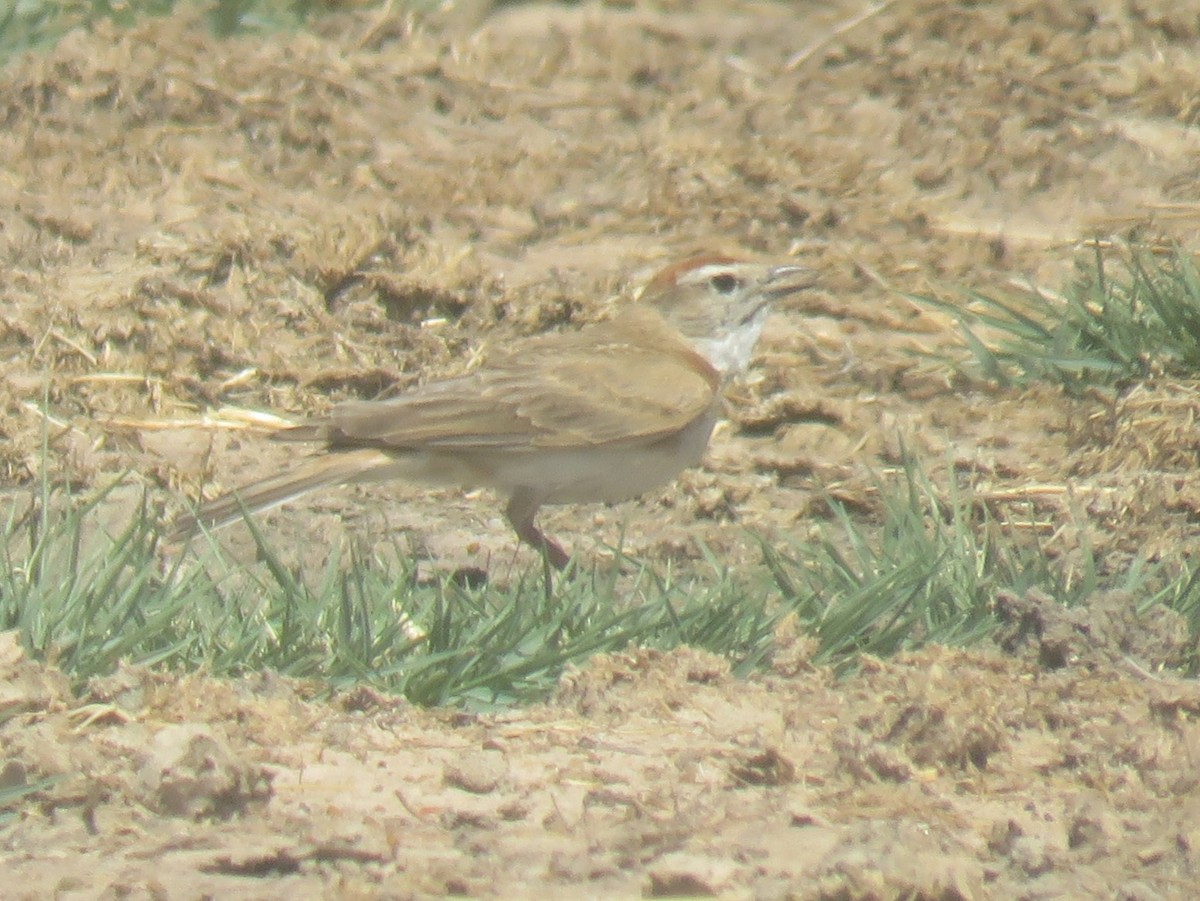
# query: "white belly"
{"points": [[618, 475]]}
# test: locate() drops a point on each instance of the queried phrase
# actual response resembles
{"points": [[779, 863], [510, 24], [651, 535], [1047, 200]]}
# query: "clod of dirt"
{"points": [[477, 772], [1151, 427], [1102, 632], [690, 875], [13, 774], [641, 679], [25, 685], [898, 862], [768, 767], [126, 687], [792, 648], [785, 408], [190, 772], [1092, 826], [941, 717]]}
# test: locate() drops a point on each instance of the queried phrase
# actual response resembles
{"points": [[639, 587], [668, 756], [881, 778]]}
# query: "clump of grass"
{"points": [[930, 572], [1131, 315], [37, 24], [87, 609], [88, 604]]}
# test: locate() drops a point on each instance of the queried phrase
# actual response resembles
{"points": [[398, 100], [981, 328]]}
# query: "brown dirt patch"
{"points": [[191, 224]]}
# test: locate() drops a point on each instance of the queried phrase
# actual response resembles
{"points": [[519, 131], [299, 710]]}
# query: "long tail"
{"points": [[313, 473]]}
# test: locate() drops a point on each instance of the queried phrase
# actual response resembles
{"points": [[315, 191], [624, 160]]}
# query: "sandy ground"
{"points": [[196, 228]]}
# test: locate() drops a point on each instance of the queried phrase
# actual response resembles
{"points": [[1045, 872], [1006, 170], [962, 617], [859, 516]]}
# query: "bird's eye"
{"points": [[725, 283]]}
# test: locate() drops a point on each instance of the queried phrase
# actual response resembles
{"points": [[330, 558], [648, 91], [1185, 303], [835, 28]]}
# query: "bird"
{"points": [[601, 414]]}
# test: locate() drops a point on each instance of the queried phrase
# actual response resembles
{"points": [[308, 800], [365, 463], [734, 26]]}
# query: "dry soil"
{"points": [[194, 228]]}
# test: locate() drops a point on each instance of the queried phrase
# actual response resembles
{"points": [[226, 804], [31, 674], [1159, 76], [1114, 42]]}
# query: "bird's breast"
{"points": [[617, 474]]}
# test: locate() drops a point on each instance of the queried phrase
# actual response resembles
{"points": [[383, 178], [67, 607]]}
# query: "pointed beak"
{"points": [[780, 281], [784, 280]]}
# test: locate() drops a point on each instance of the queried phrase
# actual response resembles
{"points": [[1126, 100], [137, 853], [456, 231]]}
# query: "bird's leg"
{"points": [[521, 509]]}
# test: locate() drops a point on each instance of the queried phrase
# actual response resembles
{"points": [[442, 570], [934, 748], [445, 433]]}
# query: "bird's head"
{"points": [[719, 304]]}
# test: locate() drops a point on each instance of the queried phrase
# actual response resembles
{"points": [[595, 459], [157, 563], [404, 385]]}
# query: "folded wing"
{"points": [[628, 381]]}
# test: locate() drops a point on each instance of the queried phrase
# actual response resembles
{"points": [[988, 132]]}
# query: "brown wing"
{"points": [[631, 380]]}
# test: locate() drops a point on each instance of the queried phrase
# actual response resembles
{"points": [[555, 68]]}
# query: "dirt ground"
{"points": [[193, 229]]}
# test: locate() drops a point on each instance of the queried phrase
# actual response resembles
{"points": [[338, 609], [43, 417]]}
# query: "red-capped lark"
{"points": [[604, 413]]}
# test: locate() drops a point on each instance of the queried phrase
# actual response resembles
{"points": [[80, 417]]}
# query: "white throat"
{"points": [[729, 352]]}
